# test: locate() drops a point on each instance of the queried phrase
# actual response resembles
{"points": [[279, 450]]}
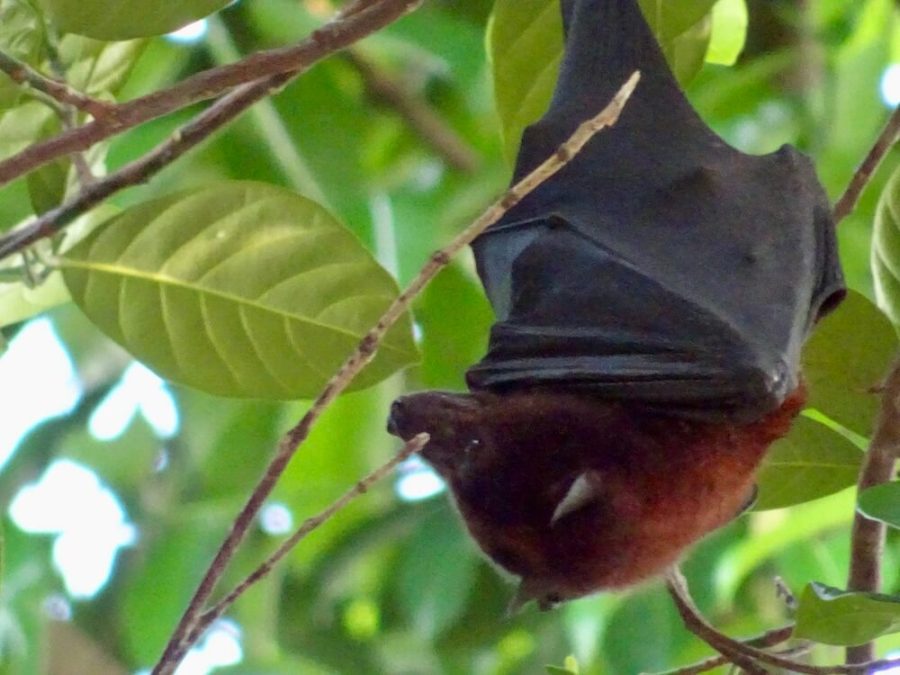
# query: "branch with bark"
{"points": [[187, 632]]}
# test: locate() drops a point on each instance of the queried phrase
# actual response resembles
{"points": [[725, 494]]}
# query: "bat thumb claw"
{"points": [[583, 491]]}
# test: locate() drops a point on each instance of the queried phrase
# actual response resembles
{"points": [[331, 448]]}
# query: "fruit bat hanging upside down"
{"points": [[652, 299]]}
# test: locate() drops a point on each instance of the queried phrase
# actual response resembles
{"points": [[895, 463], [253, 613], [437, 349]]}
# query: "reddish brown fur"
{"points": [[663, 482]]}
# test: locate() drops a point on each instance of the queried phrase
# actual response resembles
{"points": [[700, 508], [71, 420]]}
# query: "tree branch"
{"points": [[744, 654], [420, 117], [867, 538], [365, 352], [345, 29], [885, 141], [209, 617], [770, 638], [221, 112], [59, 91], [140, 170]]}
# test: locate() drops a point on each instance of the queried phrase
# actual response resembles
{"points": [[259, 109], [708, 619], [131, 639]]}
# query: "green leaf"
{"points": [[882, 502], [811, 462], [238, 289], [729, 32], [125, 19], [842, 618], [19, 302], [525, 48], [685, 52], [25, 124], [96, 67], [21, 36], [858, 334], [801, 523], [886, 250], [436, 575]]}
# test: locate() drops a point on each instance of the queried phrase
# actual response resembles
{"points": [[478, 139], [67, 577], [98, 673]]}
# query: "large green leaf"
{"points": [[886, 250], [238, 289], [812, 462], [846, 356], [125, 19], [836, 617], [882, 502], [525, 48]]}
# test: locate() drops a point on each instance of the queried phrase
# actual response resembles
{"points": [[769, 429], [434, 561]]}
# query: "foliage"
{"points": [[251, 267]]}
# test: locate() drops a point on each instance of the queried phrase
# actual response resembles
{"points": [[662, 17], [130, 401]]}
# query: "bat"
{"points": [[652, 300]]}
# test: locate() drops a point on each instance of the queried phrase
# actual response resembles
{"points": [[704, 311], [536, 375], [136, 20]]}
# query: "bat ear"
{"points": [[584, 490]]}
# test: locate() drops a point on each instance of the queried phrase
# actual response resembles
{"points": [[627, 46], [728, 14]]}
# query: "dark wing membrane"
{"points": [[584, 318], [661, 266]]}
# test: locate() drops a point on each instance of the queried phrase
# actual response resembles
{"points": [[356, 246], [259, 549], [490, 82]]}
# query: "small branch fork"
{"points": [[189, 627], [355, 22], [743, 654], [59, 91]]}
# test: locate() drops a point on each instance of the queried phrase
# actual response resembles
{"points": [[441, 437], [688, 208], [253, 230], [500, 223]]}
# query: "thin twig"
{"points": [[885, 141], [867, 539], [770, 638], [418, 114], [741, 653], [59, 91], [330, 38], [411, 447], [192, 133], [140, 170], [364, 353]]}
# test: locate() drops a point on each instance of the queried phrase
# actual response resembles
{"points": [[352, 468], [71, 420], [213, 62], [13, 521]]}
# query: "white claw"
{"points": [[583, 491]]}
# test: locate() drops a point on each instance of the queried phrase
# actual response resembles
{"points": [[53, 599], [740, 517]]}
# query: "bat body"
{"points": [[575, 494], [651, 302]]}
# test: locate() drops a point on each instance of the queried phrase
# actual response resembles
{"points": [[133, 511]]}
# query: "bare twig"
{"points": [[185, 138], [138, 171], [347, 28], [412, 446], [57, 90], [867, 539], [741, 653], [418, 114], [364, 353], [885, 141], [770, 638]]}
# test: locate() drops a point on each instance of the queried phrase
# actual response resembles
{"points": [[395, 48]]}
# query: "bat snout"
{"points": [[398, 420]]}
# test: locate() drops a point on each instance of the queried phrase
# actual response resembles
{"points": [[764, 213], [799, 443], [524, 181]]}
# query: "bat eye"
{"points": [[473, 444]]}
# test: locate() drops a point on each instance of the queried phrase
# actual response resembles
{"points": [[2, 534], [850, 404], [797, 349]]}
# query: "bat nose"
{"points": [[396, 418]]}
